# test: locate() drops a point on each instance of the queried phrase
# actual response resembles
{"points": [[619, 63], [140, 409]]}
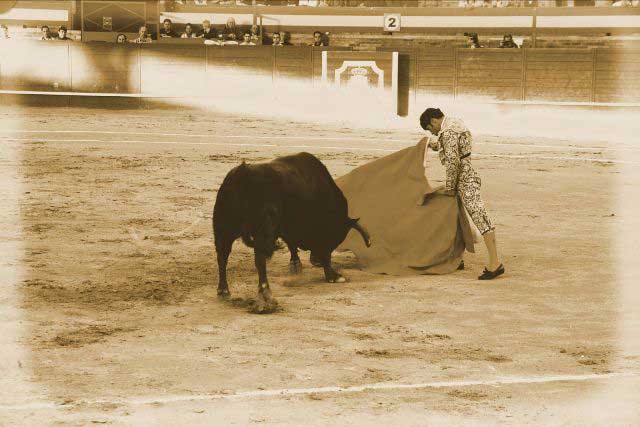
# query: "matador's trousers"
{"points": [[469, 191]]}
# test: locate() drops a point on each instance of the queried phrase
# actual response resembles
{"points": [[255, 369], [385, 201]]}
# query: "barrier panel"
{"points": [[436, 71], [489, 73], [559, 75], [196, 70], [104, 68], [616, 75]]}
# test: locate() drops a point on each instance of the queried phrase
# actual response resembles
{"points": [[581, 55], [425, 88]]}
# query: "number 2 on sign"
{"points": [[392, 22]]}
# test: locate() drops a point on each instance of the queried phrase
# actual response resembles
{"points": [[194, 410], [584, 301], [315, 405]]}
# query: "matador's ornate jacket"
{"points": [[454, 148]]}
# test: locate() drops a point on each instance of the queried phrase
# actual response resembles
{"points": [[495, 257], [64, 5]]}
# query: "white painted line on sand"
{"points": [[251, 394], [314, 138], [212, 136], [318, 147]]}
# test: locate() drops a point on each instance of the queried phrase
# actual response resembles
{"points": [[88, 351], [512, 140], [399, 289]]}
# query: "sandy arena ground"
{"points": [[109, 313]]}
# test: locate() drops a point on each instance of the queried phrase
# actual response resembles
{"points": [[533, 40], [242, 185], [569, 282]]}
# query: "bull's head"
{"points": [[360, 229]]}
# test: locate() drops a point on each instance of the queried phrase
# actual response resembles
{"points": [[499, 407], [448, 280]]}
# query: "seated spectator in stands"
{"points": [[121, 38], [46, 33], [318, 39], [167, 30], [246, 40], [276, 39], [188, 32], [62, 33], [143, 35], [255, 34], [507, 42], [207, 32], [230, 32], [5, 32]]}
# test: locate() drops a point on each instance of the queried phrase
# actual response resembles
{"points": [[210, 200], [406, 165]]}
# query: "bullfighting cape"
{"points": [[406, 238]]}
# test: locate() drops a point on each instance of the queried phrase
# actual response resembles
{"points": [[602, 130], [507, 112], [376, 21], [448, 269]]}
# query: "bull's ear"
{"points": [[354, 221]]}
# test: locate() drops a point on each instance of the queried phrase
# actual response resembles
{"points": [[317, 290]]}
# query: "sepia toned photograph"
{"points": [[320, 213]]}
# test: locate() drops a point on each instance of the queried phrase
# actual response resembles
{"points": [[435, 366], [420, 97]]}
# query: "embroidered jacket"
{"points": [[453, 143]]}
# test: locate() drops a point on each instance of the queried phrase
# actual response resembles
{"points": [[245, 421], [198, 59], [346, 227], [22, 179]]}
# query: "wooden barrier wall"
{"points": [[558, 75], [565, 75], [616, 75]]}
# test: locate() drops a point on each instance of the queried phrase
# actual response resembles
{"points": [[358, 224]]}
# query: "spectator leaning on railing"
{"points": [[276, 39], [207, 32], [46, 33], [256, 36], [507, 42], [230, 32], [474, 42], [167, 30], [121, 38], [62, 33], [246, 40], [188, 32], [143, 35], [318, 39]]}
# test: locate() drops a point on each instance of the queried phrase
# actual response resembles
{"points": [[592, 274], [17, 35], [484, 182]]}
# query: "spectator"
{"points": [[276, 40], [507, 42], [143, 35], [256, 34], [474, 42], [121, 38], [188, 32], [62, 33], [167, 30], [207, 32], [5, 32], [318, 39], [286, 38], [230, 32], [246, 40], [46, 33]]}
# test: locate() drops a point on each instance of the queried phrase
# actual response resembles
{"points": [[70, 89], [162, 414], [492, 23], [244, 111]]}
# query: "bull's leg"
{"points": [[265, 303], [315, 260], [330, 274], [223, 249], [295, 265]]}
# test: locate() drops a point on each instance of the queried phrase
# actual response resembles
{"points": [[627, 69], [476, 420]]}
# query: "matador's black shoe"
{"points": [[488, 275]]}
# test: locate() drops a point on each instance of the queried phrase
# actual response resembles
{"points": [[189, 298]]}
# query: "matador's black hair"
{"points": [[429, 113]]}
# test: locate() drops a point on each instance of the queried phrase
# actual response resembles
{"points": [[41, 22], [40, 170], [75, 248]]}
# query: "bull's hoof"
{"points": [[264, 305], [295, 267], [337, 279], [224, 294]]}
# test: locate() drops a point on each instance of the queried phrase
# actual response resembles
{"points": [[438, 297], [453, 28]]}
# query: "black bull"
{"points": [[293, 198]]}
